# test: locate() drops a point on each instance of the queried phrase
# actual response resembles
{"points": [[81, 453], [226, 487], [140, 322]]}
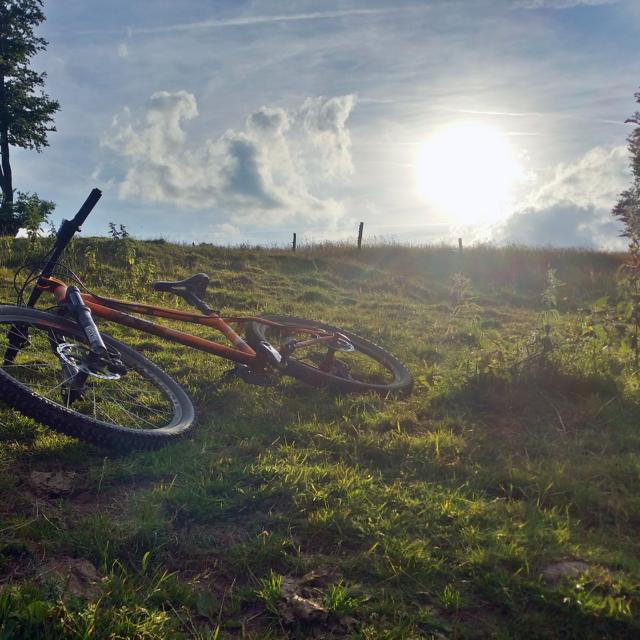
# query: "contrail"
{"points": [[534, 114], [254, 20], [513, 114]]}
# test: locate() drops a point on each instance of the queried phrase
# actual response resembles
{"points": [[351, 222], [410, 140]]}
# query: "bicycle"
{"points": [[61, 370]]}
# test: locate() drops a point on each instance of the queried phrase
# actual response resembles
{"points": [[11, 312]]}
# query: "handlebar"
{"points": [[67, 229], [86, 208]]}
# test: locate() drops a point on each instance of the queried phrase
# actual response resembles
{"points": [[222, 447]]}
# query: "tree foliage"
{"points": [[627, 209], [26, 111], [30, 212]]}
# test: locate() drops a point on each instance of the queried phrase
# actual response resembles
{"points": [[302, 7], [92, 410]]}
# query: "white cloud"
{"points": [[324, 121], [564, 224], [595, 180], [223, 233], [561, 4], [123, 50], [276, 168], [574, 207]]}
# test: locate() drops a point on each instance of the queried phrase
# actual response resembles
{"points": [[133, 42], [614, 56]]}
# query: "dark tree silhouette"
{"points": [[627, 210], [26, 112]]}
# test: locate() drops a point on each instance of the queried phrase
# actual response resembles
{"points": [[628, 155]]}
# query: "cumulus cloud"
{"points": [[278, 166], [324, 121], [225, 232], [564, 224], [595, 179], [573, 208]]}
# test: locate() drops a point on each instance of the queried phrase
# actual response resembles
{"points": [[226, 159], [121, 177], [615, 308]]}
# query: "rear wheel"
{"points": [[45, 374], [367, 367]]}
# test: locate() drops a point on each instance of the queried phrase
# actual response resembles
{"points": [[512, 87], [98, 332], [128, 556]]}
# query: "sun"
{"points": [[468, 172]]}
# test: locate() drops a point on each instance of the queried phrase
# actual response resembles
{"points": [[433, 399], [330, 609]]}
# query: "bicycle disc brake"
{"points": [[83, 360], [79, 363]]}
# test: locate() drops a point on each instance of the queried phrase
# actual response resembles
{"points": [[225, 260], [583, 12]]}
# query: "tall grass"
{"points": [[518, 270]]}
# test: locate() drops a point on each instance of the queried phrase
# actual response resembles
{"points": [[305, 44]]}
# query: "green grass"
{"points": [[428, 516]]}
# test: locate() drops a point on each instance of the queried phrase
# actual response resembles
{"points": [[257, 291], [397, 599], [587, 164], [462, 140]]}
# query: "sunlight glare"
{"points": [[468, 171]]}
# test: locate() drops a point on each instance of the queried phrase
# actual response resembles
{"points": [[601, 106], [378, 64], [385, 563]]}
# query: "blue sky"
{"points": [[241, 121]]}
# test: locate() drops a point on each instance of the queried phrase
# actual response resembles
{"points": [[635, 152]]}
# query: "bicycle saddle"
{"points": [[197, 285]]}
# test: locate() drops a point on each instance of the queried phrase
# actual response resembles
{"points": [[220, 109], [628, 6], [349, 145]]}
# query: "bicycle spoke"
{"points": [[131, 415], [145, 407], [59, 385], [35, 364], [138, 404]]}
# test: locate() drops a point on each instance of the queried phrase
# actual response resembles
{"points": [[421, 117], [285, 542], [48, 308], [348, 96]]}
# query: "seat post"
{"points": [[191, 289]]}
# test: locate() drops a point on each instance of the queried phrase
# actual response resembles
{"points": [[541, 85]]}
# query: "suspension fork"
{"points": [[79, 311], [70, 300], [82, 315], [17, 339]]}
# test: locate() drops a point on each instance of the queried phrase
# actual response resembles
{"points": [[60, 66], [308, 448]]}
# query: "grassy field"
{"points": [[499, 500]]}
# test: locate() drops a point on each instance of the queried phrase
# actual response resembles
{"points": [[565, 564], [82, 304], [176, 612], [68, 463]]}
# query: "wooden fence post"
{"points": [[360, 235], [460, 245], [293, 244]]}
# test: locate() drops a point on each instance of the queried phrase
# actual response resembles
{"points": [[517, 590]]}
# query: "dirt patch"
{"points": [[301, 607], [297, 604], [564, 569], [76, 576], [53, 483]]}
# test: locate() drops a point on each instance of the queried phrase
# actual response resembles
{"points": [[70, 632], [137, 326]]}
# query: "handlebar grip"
{"points": [[86, 208]]}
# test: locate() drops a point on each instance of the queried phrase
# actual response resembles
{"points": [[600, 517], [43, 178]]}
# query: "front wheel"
{"points": [[367, 367], [44, 375]]}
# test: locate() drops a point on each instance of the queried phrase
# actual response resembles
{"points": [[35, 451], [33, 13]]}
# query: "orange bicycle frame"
{"points": [[119, 311]]}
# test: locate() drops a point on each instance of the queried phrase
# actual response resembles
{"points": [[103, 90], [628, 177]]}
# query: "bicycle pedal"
{"points": [[243, 372]]}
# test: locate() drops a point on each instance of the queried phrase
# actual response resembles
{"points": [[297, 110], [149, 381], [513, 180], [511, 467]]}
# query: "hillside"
{"points": [[498, 500]]}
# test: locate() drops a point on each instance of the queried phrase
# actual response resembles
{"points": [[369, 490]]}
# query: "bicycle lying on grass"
{"points": [[60, 369]]}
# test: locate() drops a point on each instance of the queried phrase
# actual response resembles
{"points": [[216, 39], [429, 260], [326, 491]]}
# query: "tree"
{"points": [[30, 212], [627, 210], [26, 112]]}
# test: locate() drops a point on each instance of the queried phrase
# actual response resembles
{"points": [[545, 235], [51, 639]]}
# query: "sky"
{"points": [[243, 121]]}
